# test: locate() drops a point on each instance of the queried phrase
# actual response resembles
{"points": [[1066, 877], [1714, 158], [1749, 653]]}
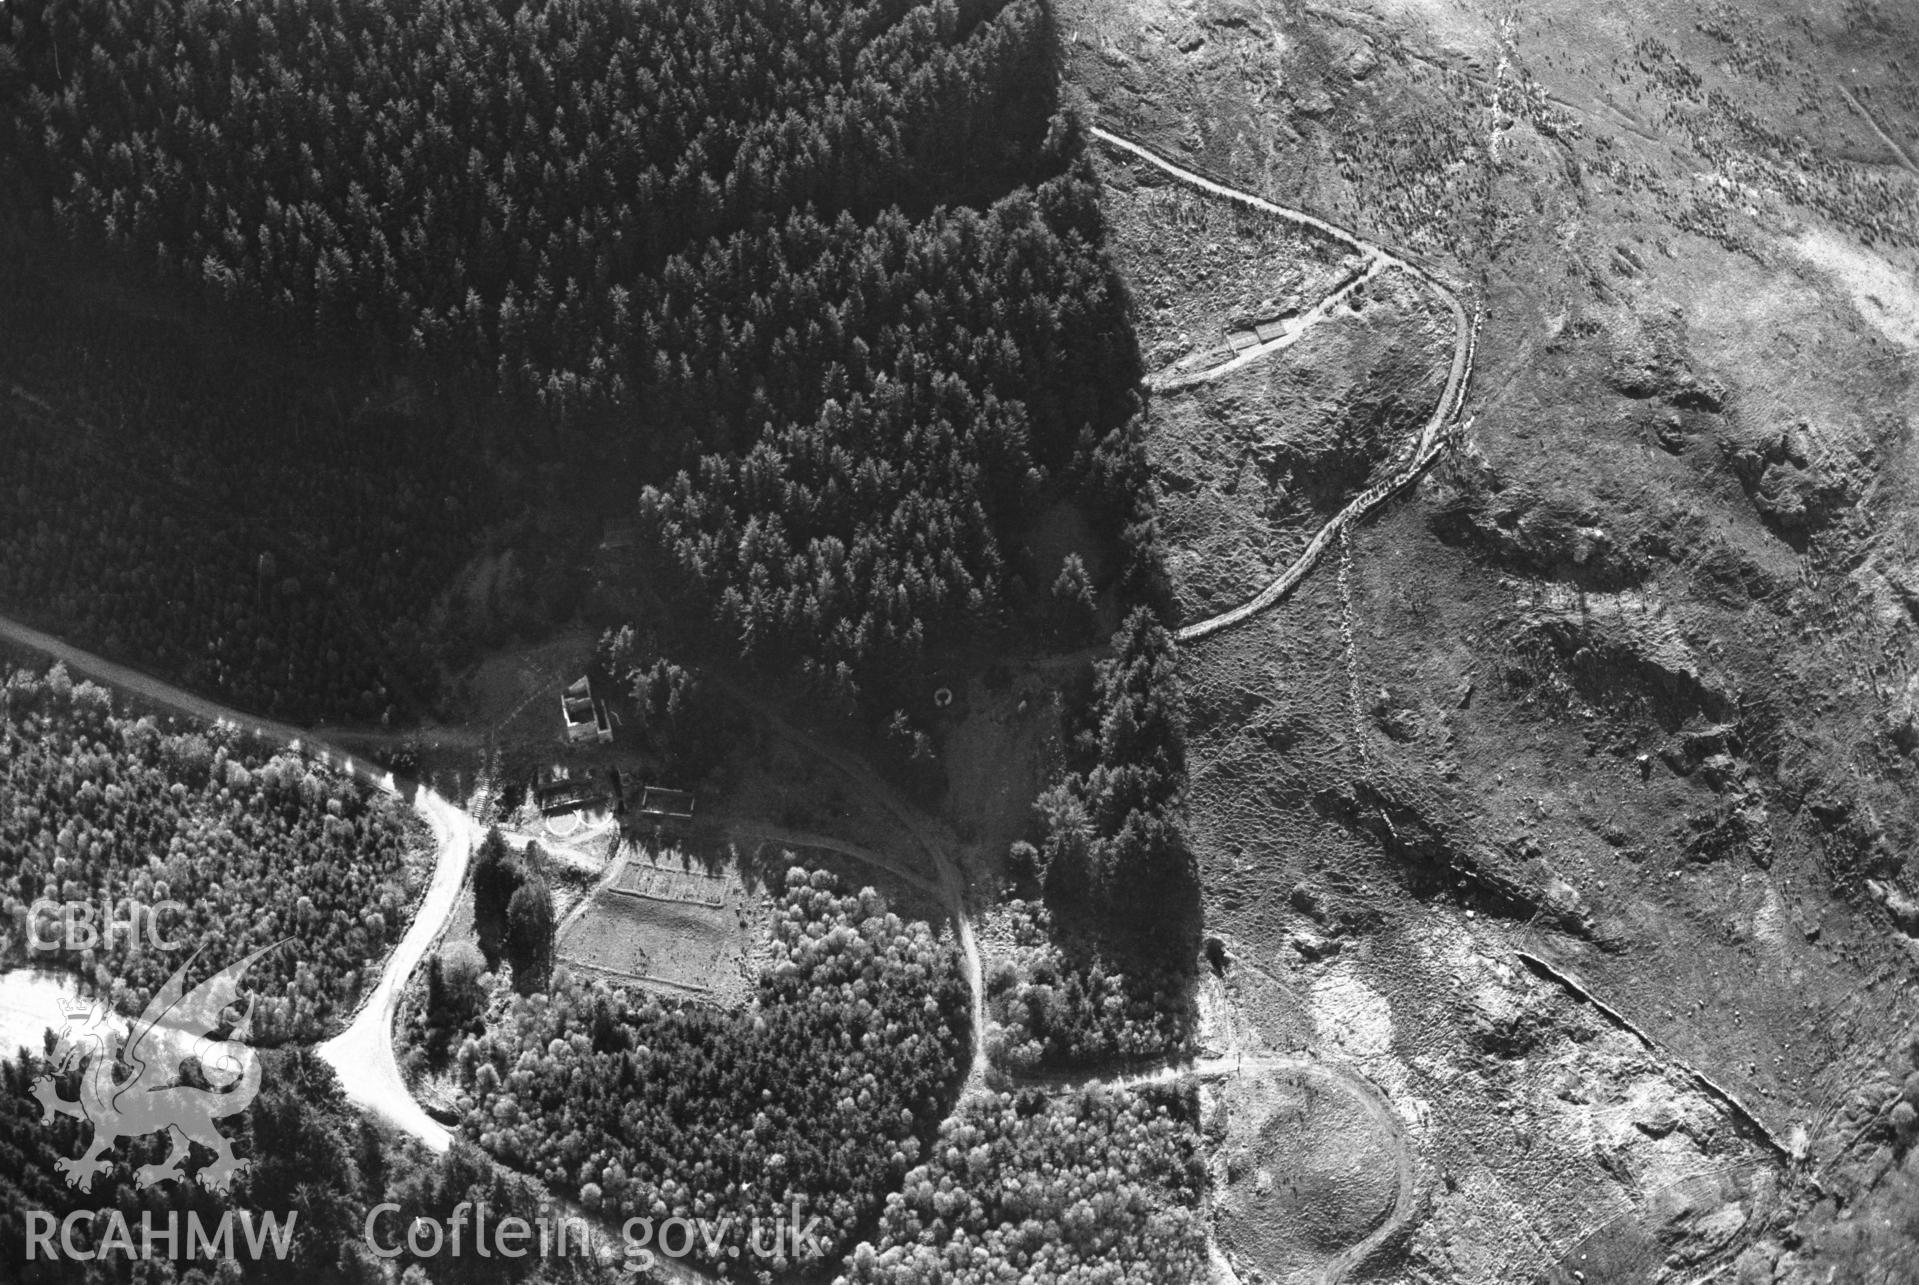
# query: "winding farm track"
{"points": [[1361, 1090], [1438, 434], [951, 887], [765, 832], [1319, 312], [362, 1054]]}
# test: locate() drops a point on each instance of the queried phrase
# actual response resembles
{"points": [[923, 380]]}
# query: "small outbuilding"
{"points": [[666, 808], [584, 714], [559, 792]]}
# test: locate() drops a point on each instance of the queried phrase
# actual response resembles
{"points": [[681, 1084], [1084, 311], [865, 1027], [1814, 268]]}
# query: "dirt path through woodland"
{"points": [[362, 1054]]}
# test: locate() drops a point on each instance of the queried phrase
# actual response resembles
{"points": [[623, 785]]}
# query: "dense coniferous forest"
{"points": [[821, 1091], [1101, 969], [1113, 841], [826, 282], [256, 847], [491, 180], [686, 727], [912, 384], [227, 527], [817, 298], [1102, 1185]]}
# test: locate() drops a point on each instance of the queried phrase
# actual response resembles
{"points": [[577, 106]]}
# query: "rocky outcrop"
{"points": [[1793, 490]]}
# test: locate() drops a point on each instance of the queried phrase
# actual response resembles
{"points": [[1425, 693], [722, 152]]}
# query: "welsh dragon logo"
{"points": [[130, 1091]]}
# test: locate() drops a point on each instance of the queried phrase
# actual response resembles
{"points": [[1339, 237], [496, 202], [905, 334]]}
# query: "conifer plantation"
{"points": [[819, 290], [371, 302]]}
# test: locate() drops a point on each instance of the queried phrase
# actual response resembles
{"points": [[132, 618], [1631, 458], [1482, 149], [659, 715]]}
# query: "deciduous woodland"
{"points": [[1101, 1185], [814, 299], [821, 1093], [1049, 1006], [255, 847]]}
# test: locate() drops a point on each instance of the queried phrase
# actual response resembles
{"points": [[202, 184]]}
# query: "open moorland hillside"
{"points": [[1167, 640], [1568, 799]]}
